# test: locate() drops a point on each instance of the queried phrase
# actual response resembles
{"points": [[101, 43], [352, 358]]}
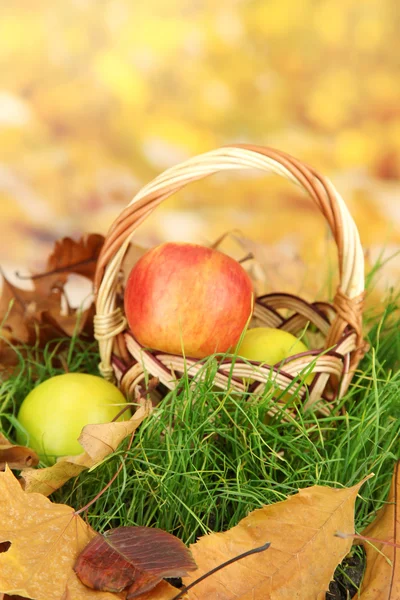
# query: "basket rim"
{"points": [[169, 367]]}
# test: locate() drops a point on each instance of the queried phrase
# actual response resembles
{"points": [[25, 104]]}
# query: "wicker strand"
{"points": [[350, 309], [108, 326], [106, 371]]}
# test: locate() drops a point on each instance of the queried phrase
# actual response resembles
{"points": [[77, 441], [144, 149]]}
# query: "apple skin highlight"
{"points": [[188, 299]]}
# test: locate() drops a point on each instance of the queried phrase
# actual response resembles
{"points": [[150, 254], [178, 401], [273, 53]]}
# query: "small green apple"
{"points": [[54, 413], [270, 346]]}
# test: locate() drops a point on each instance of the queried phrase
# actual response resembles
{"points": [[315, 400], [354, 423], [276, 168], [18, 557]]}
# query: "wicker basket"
{"points": [[340, 324]]}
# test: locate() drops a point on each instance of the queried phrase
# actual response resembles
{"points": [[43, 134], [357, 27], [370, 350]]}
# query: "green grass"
{"points": [[205, 458]]}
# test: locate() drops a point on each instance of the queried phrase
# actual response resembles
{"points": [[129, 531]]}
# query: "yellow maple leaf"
{"points": [[45, 540]]}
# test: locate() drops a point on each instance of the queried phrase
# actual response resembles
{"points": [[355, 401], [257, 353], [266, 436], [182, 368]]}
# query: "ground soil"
{"points": [[347, 578]]}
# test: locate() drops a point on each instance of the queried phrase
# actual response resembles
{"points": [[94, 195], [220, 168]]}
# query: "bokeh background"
{"points": [[99, 96]]}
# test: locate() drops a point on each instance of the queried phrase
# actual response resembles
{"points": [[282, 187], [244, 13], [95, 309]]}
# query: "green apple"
{"points": [[54, 413], [270, 346]]}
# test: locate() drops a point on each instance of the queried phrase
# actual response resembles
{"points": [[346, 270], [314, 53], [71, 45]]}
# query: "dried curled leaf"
{"points": [[40, 314], [16, 457], [76, 256], [98, 442], [137, 558], [382, 575], [20, 313]]}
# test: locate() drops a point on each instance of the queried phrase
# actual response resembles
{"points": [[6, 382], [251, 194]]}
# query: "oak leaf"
{"points": [[137, 558], [70, 256], [382, 575], [44, 542], [301, 530], [20, 313], [40, 314], [16, 457], [98, 441]]}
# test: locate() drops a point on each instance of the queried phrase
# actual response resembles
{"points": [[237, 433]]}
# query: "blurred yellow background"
{"points": [[99, 96]]}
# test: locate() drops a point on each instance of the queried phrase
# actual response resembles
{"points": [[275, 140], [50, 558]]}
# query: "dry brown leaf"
{"points": [[301, 530], [382, 575], [20, 312], [8, 359], [98, 442], [13, 597], [39, 314], [132, 558], [16, 457], [76, 321], [70, 256], [45, 539]]}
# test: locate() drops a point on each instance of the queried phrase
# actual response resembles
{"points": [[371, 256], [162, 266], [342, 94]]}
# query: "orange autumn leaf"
{"points": [[382, 575], [300, 529], [44, 540]]}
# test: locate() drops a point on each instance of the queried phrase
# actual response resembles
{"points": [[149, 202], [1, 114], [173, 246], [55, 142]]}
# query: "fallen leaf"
{"points": [[20, 312], [45, 540], [137, 558], [301, 530], [75, 322], [68, 256], [8, 359], [16, 457], [382, 575], [43, 314], [13, 597], [79, 257], [98, 441]]}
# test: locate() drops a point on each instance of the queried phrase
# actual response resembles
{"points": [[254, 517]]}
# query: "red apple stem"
{"points": [[143, 393], [222, 566]]}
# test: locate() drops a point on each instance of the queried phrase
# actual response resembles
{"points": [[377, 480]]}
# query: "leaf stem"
{"points": [[66, 268], [366, 538], [222, 566]]}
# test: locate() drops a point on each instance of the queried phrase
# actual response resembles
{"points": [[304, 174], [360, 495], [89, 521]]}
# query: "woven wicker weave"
{"points": [[340, 324]]}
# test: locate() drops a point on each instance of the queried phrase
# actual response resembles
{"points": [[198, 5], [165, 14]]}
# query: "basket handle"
{"points": [[349, 297]]}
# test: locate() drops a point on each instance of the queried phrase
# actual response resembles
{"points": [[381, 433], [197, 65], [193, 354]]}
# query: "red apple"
{"points": [[186, 298]]}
